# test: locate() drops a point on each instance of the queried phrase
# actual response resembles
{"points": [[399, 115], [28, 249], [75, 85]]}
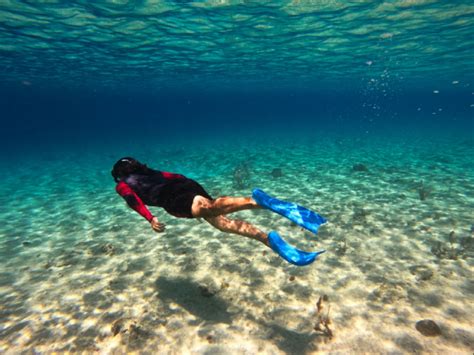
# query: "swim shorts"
{"points": [[177, 196]]}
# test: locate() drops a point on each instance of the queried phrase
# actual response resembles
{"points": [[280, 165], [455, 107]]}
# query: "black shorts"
{"points": [[177, 196]]}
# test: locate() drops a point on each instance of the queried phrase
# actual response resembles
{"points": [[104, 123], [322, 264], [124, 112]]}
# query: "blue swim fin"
{"points": [[300, 215], [290, 253]]}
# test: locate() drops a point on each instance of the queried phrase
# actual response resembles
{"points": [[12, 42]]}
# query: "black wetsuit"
{"points": [[173, 192]]}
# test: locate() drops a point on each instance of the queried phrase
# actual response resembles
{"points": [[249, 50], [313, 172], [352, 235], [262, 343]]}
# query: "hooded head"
{"points": [[127, 166]]}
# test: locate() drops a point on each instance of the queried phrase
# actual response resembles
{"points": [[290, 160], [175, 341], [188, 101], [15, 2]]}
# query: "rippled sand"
{"points": [[82, 272]]}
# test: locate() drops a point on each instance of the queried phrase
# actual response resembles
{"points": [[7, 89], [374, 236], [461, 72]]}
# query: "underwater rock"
{"points": [[137, 336], [72, 257], [439, 250], [360, 216], [118, 284], [205, 292], [243, 261], [48, 264], [388, 293], [428, 328], [422, 273], [276, 173], [359, 168], [132, 334], [98, 249], [341, 247], [108, 249], [135, 332], [117, 326]]}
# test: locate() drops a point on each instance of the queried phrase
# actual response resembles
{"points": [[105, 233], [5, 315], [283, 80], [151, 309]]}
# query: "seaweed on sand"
{"points": [[322, 318], [241, 175], [276, 173], [341, 247], [133, 334], [359, 168], [423, 191], [449, 251], [360, 216]]}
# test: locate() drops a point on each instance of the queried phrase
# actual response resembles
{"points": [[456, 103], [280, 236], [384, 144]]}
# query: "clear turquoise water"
{"points": [[179, 43], [203, 89], [75, 259]]}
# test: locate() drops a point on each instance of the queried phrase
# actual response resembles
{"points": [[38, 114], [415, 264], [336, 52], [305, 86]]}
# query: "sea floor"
{"points": [[80, 271]]}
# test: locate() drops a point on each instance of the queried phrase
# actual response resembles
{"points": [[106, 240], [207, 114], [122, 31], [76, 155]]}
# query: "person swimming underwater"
{"points": [[182, 197]]}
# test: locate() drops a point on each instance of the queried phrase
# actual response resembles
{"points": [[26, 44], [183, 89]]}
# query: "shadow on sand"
{"points": [[212, 309], [189, 295]]}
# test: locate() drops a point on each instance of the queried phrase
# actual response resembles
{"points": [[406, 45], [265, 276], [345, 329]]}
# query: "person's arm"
{"points": [[133, 200], [137, 204]]}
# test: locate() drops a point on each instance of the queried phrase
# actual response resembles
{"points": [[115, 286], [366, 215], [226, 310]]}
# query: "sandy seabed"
{"points": [[80, 272]]}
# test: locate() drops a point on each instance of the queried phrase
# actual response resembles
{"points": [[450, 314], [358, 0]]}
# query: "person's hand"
{"points": [[157, 226]]}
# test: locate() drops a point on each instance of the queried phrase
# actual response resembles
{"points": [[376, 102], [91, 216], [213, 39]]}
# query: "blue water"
{"points": [[205, 88], [82, 70]]}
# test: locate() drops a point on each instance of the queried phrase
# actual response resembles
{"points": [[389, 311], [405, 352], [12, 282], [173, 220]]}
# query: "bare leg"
{"points": [[203, 207], [238, 227]]}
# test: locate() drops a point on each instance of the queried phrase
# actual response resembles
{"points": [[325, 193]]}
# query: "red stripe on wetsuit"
{"points": [[133, 200], [171, 175], [136, 202]]}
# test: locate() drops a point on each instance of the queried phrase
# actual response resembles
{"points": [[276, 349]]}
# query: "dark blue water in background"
{"points": [[51, 119], [79, 72]]}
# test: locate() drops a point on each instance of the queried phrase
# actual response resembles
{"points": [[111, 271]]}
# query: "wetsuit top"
{"points": [[140, 190]]}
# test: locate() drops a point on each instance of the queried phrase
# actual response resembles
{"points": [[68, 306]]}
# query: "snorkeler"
{"points": [[182, 197]]}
